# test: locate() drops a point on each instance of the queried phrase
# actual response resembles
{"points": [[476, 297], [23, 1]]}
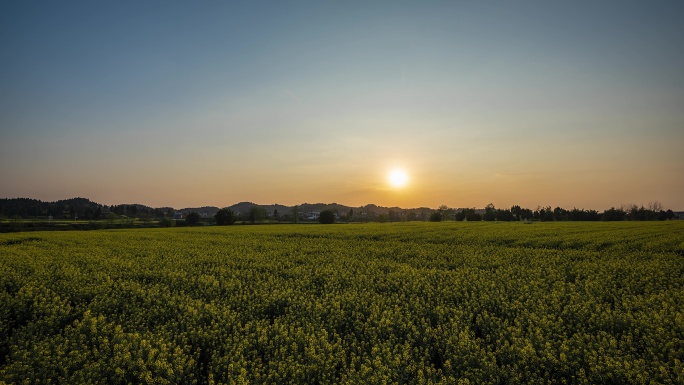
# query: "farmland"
{"points": [[405, 303]]}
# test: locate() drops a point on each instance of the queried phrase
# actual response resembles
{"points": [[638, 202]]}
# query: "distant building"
{"points": [[178, 215]]}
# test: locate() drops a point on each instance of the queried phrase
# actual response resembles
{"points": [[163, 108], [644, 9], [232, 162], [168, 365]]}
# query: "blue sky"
{"points": [[187, 103]]}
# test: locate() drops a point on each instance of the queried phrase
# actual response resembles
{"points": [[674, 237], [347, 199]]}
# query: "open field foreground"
{"points": [[405, 303]]}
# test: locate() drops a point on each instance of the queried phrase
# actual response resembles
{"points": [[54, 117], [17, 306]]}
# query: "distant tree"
{"points": [[471, 215], [327, 217], [546, 214], [225, 217], [592, 215], [435, 216], [526, 214], [536, 214], [350, 216], [192, 219], [655, 206], [295, 213], [256, 213], [670, 214], [111, 217], [560, 214], [490, 212], [276, 216], [504, 215], [166, 222], [614, 214], [443, 211], [517, 212]]}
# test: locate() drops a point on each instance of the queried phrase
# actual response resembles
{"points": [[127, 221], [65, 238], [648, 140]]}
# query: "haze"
{"points": [[183, 104]]}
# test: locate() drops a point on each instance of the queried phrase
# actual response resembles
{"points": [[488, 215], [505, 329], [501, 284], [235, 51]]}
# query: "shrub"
{"points": [[327, 217]]}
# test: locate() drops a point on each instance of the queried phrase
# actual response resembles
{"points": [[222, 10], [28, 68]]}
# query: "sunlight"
{"points": [[397, 178]]}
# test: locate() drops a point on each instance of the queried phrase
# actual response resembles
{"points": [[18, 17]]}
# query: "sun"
{"points": [[397, 178]]}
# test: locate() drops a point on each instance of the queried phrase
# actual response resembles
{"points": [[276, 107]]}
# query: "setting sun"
{"points": [[398, 178]]}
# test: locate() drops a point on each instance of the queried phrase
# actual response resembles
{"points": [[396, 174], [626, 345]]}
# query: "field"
{"points": [[405, 303]]}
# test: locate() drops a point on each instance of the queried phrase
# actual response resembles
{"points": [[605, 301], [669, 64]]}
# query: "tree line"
{"points": [[654, 212], [81, 208]]}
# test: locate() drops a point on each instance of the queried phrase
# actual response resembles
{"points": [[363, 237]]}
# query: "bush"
{"points": [[436, 216], [167, 222], [225, 217], [192, 219], [327, 217]]}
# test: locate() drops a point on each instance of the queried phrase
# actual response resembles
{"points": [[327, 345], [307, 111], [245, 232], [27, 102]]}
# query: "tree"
{"points": [[192, 219], [166, 222], [471, 215], [350, 216], [256, 213], [327, 217], [546, 214], [560, 214], [490, 212], [655, 206], [504, 215], [443, 209], [225, 217], [295, 213], [614, 214], [435, 216], [527, 214]]}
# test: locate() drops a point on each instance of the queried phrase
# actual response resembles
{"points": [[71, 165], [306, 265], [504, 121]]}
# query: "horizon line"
{"points": [[621, 206]]}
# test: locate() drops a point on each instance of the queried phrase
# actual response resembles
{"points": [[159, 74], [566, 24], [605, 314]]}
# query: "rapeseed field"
{"points": [[393, 303]]}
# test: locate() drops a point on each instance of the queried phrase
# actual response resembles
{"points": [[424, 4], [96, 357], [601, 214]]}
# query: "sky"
{"points": [[187, 104]]}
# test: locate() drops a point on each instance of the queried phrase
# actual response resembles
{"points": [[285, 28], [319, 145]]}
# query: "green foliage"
{"points": [[167, 222], [469, 215], [327, 217], [490, 213], [192, 219], [225, 217], [256, 214], [435, 216], [398, 303]]}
